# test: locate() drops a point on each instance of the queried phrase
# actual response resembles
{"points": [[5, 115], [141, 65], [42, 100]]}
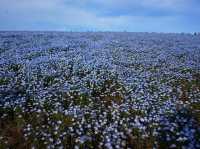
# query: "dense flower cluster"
{"points": [[99, 90]]}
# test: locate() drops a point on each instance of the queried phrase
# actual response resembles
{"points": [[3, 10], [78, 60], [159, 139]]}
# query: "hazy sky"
{"points": [[101, 15]]}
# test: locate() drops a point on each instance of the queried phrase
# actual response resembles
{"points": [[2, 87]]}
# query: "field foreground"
{"points": [[99, 90]]}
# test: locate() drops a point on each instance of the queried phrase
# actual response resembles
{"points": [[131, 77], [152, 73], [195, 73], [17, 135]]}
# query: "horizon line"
{"points": [[99, 31]]}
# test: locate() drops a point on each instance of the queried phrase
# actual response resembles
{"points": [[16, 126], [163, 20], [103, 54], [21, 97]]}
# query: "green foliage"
{"points": [[4, 81], [15, 67], [48, 81]]}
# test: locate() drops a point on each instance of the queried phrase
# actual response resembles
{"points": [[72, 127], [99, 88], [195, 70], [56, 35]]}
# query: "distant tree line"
{"points": [[196, 33]]}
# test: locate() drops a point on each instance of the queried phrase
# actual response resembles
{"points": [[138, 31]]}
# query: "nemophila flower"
{"points": [[59, 122], [58, 141], [149, 81], [51, 140], [182, 139], [76, 147], [173, 146]]}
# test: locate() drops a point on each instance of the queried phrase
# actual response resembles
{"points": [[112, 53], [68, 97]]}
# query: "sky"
{"points": [[101, 15]]}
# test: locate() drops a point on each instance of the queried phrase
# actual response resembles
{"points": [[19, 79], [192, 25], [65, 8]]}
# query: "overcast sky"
{"points": [[101, 15]]}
